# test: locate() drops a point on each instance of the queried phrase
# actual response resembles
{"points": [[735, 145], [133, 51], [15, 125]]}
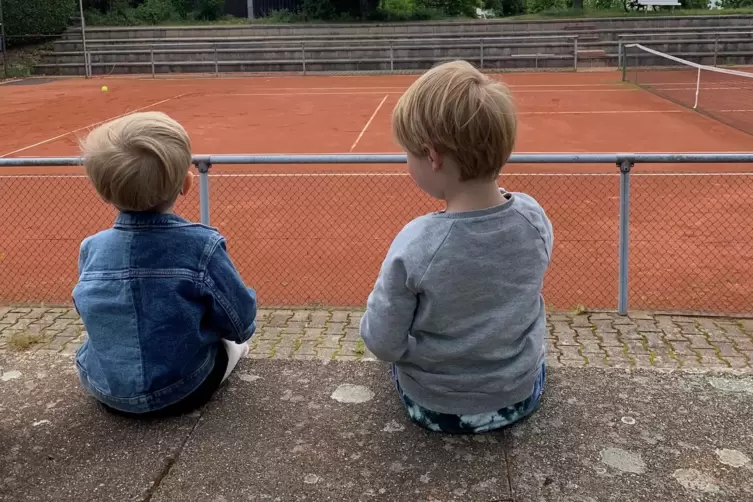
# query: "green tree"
{"points": [[37, 17]]}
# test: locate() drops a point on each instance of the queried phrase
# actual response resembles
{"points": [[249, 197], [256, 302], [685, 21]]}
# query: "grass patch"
{"points": [[22, 341], [360, 349]]}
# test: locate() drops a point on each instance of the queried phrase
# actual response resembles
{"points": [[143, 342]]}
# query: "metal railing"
{"points": [[738, 235], [390, 46]]}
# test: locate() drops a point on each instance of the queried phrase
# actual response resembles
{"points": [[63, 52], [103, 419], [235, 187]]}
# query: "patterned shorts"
{"points": [[472, 424]]}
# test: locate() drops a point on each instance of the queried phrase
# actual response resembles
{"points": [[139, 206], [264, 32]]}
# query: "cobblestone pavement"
{"points": [[640, 340]]}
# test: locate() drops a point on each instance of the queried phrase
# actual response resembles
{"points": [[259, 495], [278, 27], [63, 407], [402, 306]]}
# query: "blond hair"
{"points": [[138, 162], [460, 112]]}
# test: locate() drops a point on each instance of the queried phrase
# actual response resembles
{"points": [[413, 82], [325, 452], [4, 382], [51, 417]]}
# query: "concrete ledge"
{"points": [[307, 430]]}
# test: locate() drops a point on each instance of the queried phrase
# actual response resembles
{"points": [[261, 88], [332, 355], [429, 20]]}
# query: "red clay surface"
{"points": [[307, 235]]}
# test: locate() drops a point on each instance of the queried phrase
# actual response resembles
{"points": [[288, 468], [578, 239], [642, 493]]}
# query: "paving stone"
{"points": [[688, 329], [604, 326], [564, 339], [293, 327], [743, 344], [319, 319], [340, 316], [710, 359], [580, 321], [283, 351], [312, 333], [636, 347], [585, 335], [307, 348], [330, 341], [569, 352], [301, 316], [335, 328], [620, 320], [288, 341], [682, 349], [737, 362], [654, 340], [600, 317], [727, 350], [279, 320], [268, 334], [352, 335], [698, 342], [609, 339], [350, 349], [325, 353]]}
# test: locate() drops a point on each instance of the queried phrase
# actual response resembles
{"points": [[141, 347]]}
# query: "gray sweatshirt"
{"points": [[458, 306]]}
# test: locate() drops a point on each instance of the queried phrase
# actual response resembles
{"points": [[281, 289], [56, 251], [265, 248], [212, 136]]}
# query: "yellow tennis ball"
{"points": [[104, 88]]}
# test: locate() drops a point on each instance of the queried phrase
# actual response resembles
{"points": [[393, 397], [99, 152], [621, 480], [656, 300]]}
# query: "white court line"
{"points": [[90, 126], [348, 93], [379, 107], [392, 175], [10, 81]]}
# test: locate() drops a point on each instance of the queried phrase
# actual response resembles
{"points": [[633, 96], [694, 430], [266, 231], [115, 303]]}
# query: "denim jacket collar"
{"points": [[149, 220]]}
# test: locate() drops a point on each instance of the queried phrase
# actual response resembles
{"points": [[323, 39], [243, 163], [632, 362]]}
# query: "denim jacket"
{"points": [[156, 294]]}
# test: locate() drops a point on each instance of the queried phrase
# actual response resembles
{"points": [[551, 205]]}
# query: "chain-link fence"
{"points": [[316, 235]]}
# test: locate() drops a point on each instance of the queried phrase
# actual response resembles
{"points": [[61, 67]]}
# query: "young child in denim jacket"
{"points": [[166, 312], [457, 307]]}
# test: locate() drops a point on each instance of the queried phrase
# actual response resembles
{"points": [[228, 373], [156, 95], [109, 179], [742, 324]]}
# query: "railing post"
{"points": [[624, 243], [392, 55], [216, 62], [203, 167], [151, 58], [303, 56], [575, 53], [482, 53], [716, 48]]}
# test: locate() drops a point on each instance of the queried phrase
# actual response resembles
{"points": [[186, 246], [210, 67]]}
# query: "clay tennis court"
{"points": [[315, 235]]}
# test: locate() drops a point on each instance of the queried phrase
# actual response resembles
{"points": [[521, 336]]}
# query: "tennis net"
{"points": [[721, 93]]}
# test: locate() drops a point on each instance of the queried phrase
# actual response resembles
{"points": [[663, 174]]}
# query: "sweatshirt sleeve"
{"points": [[385, 327], [391, 307]]}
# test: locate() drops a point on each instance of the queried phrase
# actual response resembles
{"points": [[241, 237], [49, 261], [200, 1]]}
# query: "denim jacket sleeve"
{"points": [[233, 305]]}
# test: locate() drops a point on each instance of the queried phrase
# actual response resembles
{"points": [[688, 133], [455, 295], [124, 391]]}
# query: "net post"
{"points": [[575, 53], [151, 59], [392, 55], [481, 48], [697, 88], [625, 166], [203, 167], [303, 56]]}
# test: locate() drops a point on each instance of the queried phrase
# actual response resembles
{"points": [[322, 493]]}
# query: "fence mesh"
{"points": [[691, 242], [318, 238]]}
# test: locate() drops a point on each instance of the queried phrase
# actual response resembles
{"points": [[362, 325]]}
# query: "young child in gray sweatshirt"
{"points": [[458, 307]]}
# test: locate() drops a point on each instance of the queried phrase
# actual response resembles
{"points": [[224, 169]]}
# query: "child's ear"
{"points": [[187, 183], [435, 158]]}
